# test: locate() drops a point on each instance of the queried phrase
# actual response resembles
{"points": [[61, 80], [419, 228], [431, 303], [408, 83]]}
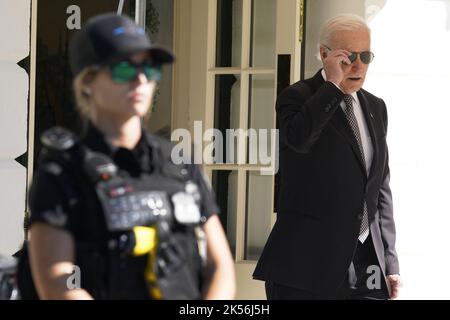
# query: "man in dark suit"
{"points": [[334, 237]]}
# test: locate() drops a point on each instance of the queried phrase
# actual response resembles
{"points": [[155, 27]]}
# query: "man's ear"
{"points": [[323, 52]]}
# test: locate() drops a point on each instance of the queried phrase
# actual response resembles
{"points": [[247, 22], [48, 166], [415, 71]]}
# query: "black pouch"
{"points": [[178, 268]]}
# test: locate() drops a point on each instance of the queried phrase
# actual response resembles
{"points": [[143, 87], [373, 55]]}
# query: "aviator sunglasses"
{"points": [[366, 56], [127, 71]]}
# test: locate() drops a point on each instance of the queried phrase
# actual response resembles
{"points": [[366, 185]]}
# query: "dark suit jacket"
{"points": [[323, 185]]}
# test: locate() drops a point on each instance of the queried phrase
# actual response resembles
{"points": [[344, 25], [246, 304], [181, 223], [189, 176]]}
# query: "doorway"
{"points": [[236, 54], [56, 23]]}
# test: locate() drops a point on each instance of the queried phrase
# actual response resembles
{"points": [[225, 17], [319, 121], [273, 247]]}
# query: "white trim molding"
{"points": [[14, 92]]}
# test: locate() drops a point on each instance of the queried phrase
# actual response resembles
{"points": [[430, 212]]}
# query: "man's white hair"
{"points": [[342, 22]]}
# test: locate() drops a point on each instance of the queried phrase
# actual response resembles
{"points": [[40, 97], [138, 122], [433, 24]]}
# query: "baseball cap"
{"points": [[108, 38]]}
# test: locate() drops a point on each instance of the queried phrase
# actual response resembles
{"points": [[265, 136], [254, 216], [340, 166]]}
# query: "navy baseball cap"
{"points": [[109, 38]]}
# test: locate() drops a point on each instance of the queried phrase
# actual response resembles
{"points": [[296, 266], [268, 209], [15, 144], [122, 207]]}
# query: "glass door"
{"points": [[256, 53]]}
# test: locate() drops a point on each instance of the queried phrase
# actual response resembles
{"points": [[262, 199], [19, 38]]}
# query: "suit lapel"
{"points": [[368, 115], [340, 122]]}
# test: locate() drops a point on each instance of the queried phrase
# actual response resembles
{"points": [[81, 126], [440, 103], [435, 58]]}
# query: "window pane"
{"points": [[261, 118], [263, 33], [229, 33], [225, 187], [226, 112], [259, 213]]}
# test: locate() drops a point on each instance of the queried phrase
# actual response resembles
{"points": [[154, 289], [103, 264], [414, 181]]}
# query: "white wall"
{"points": [[14, 86], [411, 72]]}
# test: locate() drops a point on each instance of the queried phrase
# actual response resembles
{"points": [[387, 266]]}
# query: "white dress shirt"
{"points": [[363, 129]]}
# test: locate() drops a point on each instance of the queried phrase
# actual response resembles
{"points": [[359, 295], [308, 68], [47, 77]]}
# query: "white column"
{"points": [[14, 86]]}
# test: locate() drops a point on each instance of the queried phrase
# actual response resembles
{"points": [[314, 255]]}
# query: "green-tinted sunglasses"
{"points": [[127, 71], [366, 56]]}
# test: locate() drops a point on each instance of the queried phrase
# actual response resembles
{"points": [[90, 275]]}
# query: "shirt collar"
{"points": [[94, 139], [134, 161]]}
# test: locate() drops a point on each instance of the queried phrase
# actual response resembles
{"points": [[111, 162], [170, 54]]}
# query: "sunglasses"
{"points": [[366, 56], [127, 71]]}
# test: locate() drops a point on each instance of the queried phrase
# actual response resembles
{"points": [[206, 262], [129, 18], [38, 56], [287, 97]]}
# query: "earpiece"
{"points": [[87, 92]]}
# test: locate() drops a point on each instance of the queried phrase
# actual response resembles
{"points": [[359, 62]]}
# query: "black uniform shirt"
{"points": [[57, 196]]}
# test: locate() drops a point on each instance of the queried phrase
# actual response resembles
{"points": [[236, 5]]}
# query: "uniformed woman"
{"points": [[112, 216]]}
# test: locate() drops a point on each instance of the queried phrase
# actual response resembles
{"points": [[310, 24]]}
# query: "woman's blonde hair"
{"points": [[83, 98]]}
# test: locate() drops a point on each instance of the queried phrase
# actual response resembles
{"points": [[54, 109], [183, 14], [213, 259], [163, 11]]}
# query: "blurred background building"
{"points": [[233, 57]]}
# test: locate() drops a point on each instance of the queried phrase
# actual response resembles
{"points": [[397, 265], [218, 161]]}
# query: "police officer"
{"points": [[112, 216]]}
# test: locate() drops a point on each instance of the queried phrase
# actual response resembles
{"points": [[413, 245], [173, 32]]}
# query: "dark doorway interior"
{"points": [[54, 102], [54, 97]]}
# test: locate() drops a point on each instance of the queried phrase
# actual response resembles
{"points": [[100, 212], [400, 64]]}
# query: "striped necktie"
{"points": [[348, 99]]}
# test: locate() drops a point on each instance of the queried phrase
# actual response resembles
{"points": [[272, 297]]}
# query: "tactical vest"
{"points": [[153, 223]]}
